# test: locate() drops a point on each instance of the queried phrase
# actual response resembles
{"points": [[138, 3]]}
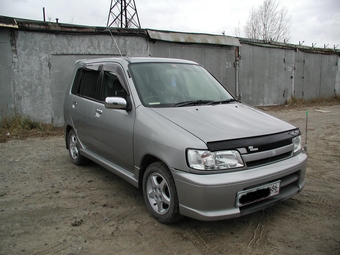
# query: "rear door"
{"points": [[85, 92]]}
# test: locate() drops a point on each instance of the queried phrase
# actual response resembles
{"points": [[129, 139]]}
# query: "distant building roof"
{"points": [[193, 38], [286, 45], [8, 22], [169, 36]]}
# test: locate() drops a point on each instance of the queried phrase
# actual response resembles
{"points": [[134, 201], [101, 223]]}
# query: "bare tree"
{"points": [[237, 30], [268, 22]]}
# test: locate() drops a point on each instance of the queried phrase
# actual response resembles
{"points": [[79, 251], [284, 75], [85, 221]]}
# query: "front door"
{"points": [[112, 129]]}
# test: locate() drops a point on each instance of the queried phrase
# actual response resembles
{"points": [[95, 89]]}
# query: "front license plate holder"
{"points": [[249, 196]]}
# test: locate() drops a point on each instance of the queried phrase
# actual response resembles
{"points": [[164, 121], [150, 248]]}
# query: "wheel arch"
{"points": [[67, 130], [161, 201], [146, 161]]}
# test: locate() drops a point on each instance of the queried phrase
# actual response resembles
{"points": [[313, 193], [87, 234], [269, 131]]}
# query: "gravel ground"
{"points": [[50, 206]]}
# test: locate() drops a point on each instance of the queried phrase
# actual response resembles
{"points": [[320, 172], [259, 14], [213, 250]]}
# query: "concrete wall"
{"points": [[263, 80], [271, 75], [315, 75], [7, 67], [219, 60], [36, 68]]}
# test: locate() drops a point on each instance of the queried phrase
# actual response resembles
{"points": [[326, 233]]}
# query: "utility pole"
{"points": [[123, 14]]}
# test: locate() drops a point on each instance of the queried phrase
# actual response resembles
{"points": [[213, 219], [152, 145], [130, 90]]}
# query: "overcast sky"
{"points": [[313, 21]]}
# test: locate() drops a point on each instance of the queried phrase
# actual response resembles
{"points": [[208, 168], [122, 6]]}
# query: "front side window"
{"points": [[168, 84], [112, 87]]}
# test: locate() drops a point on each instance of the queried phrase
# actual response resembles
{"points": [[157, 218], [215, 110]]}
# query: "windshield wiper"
{"points": [[194, 102], [225, 101]]}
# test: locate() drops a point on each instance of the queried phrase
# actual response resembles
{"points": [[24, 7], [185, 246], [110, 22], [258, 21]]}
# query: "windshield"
{"points": [[170, 85]]}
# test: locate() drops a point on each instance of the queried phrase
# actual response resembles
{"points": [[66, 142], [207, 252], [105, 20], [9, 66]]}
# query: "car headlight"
{"points": [[297, 144], [218, 160]]}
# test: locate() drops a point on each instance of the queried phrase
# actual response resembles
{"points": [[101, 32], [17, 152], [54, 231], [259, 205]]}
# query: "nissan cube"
{"points": [[169, 128]]}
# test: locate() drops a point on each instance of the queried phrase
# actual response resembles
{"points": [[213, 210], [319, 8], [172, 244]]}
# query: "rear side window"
{"points": [[87, 84]]}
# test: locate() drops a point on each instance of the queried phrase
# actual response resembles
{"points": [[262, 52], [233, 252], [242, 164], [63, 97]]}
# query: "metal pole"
{"points": [[125, 12], [305, 147], [136, 13], [237, 68], [44, 14], [108, 17], [121, 13]]}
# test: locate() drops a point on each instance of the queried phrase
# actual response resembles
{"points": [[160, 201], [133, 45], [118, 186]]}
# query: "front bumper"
{"points": [[213, 196]]}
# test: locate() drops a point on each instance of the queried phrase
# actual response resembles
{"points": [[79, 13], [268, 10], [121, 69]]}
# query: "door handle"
{"points": [[74, 104], [98, 113]]}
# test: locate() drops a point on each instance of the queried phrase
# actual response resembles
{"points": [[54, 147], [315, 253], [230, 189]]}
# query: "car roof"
{"points": [[128, 60]]}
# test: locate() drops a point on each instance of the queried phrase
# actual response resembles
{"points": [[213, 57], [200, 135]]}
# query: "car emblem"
{"points": [[273, 153], [251, 148]]}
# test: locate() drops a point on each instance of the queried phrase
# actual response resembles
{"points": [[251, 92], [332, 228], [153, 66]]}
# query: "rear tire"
{"points": [[160, 193], [73, 149]]}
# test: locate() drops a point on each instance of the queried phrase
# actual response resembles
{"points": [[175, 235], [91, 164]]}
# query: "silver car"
{"points": [[170, 128]]}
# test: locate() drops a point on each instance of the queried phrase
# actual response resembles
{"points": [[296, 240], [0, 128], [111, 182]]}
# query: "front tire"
{"points": [[73, 149], [160, 193]]}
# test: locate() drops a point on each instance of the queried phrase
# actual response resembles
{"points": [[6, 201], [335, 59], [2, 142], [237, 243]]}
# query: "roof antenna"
{"points": [[120, 53], [108, 28]]}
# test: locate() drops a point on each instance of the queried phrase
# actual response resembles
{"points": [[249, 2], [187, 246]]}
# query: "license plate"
{"points": [[253, 195]]}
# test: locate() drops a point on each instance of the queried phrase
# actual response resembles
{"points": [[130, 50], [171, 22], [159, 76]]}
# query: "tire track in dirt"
{"points": [[197, 239], [257, 226], [317, 200]]}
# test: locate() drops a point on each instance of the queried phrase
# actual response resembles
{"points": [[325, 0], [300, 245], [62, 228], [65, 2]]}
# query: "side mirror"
{"points": [[115, 103]]}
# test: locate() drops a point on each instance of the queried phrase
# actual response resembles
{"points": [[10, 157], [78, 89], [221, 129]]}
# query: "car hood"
{"points": [[224, 122]]}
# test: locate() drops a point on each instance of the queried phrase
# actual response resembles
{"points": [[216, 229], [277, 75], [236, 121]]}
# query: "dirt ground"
{"points": [[50, 206]]}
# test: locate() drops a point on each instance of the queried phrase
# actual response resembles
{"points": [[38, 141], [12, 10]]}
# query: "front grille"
{"points": [[268, 160], [266, 157]]}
